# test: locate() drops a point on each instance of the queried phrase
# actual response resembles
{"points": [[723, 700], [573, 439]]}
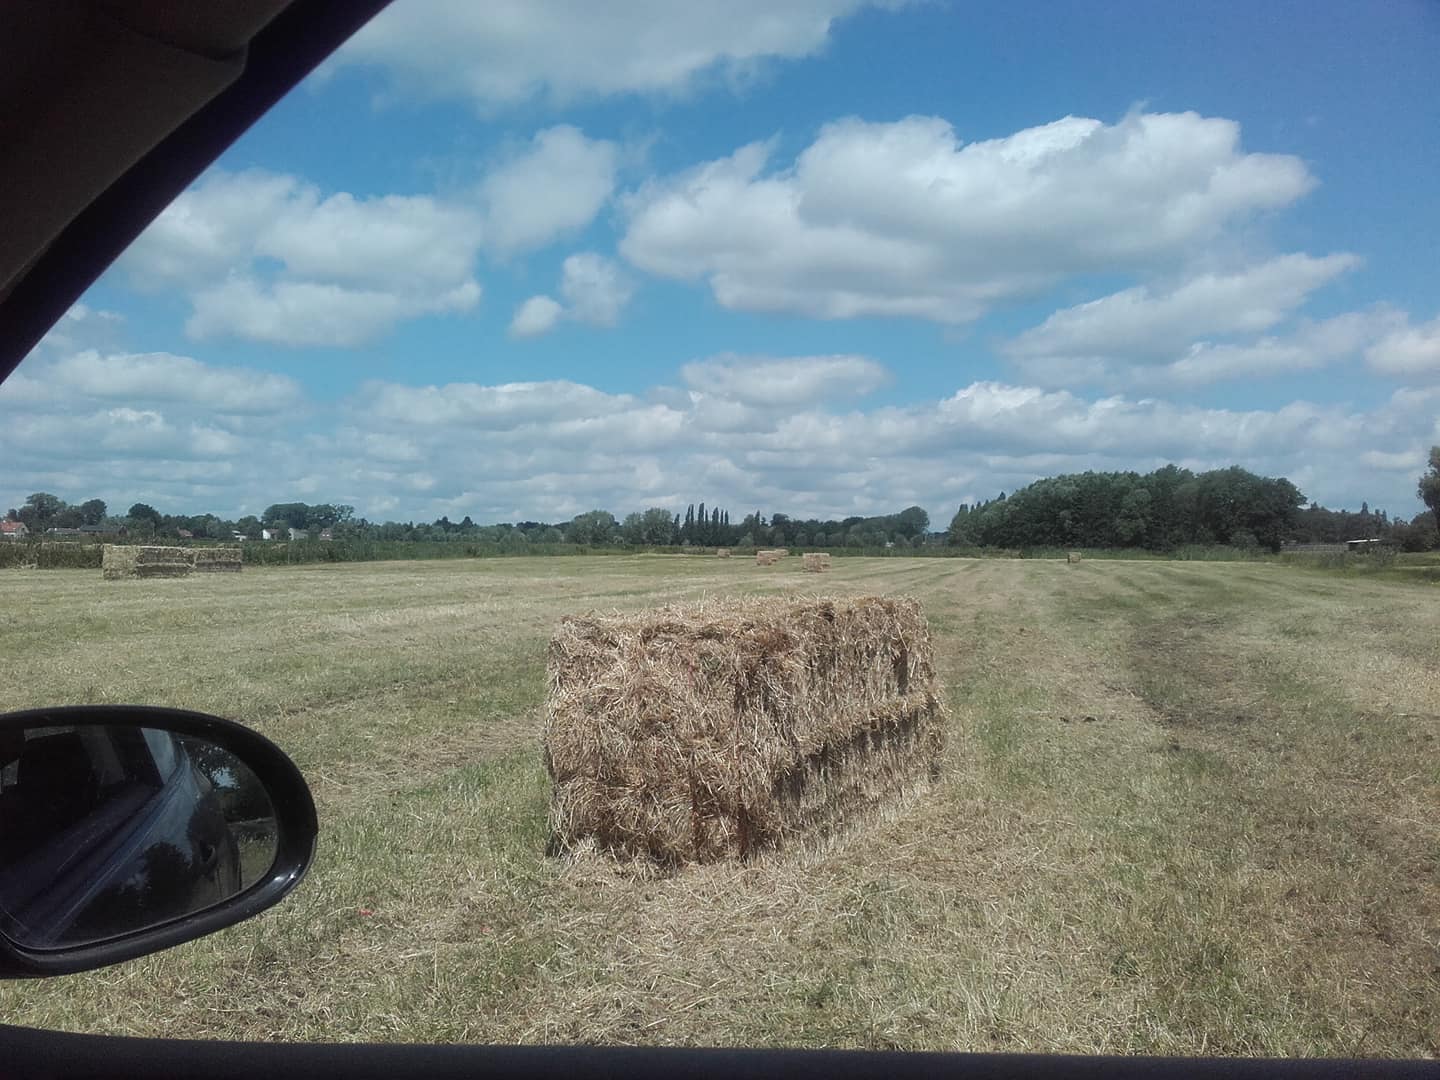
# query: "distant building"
{"points": [[272, 534], [186, 534], [1364, 545], [64, 534], [13, 530], [95, 532], [299, 534], [327, 534]]}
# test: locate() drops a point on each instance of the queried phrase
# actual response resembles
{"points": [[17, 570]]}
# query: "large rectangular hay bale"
{"points": [[117, 561], [766, 558], [217, 560], [144, 561], [816, 562], [721, 731], [722, 553]]}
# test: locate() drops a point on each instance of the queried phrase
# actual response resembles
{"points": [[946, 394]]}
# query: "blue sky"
{"points": [[519, 260]]}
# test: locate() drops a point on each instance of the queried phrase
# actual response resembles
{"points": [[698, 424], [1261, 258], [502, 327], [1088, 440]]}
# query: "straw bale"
{"points": [[154, 553], [722, 553], [118, 561], [1073, 557], [218, 560], [766, 558], [737, 727], [144, 561], [817, 562]]}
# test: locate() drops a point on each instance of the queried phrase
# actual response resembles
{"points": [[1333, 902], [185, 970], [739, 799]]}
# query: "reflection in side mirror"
{"points": [[127, 830], [109, 830]]}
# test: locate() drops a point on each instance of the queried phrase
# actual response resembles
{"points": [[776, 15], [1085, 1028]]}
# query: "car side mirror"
{"points": [[125, 830]]}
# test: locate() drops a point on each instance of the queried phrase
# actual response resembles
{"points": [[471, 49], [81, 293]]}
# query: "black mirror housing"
{"points": [[291, 807]]}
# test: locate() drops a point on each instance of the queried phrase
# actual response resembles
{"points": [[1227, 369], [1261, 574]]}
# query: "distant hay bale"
{"points": [[218, 560], [144, 561], [766, 558], [118, 561], [1073, 557], [781, 552], [691, 735], [722, 553], [816, 562]]}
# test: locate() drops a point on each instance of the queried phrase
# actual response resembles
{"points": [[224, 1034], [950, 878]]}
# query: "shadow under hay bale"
{"points": [[816, 562], [144, 561], [735, 728]]}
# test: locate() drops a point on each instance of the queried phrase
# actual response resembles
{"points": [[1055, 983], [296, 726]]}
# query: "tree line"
{"points": [[1160, 511], [699, 525], [1173, 507]]}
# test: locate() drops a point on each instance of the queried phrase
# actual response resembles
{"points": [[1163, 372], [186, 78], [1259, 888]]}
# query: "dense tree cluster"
{"points": [[1166, 509]]}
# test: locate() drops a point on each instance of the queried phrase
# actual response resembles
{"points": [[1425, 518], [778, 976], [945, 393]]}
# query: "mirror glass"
{"points": [[108, 829]]}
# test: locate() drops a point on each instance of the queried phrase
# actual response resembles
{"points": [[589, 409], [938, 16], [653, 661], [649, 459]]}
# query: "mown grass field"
{"points": [[1187, 808]]}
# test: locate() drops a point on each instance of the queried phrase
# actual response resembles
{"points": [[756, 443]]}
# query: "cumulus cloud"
{"points": [[783, 434], [1145, 323], [506, 52], [267, 258], [309, 313], [149, 427], [786, 383], [152, 377], [554, 186], [488, 408], [1408, 350], [537, 315], [905, 219], [1304, 344], [595, 290]]}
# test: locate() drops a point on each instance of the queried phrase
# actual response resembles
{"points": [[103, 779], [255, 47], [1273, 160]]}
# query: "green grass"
{"points": [[1188, 807]]}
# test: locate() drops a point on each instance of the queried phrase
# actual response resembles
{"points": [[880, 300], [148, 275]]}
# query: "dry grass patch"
{"points": [[1160, 877]]}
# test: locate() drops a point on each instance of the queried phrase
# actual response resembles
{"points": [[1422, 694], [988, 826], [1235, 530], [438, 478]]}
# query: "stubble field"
{"points": [[1187, 808]]}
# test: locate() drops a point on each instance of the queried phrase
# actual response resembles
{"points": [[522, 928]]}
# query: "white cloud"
{"points": [[1144, 323], [766, 383], [788, 433], [211, 228], [265, 257], [1408, 350], [270, 258], [537, 315], [152, 377], [1305, 345], [82, 327], [505, 52], [595, 289], [390, 241], [304, 313], [488, 408], [904, 219], [554, 186]]}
